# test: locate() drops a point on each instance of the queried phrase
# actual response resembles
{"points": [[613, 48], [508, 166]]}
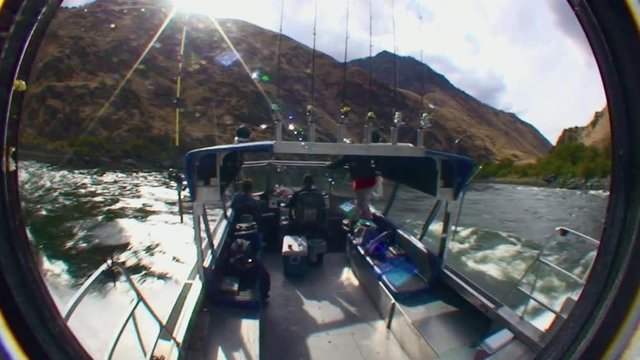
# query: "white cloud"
{"points": [[529, 57]]}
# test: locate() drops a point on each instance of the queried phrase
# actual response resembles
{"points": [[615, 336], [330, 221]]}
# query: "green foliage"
{"points": [[570, 160], [502, 168]]}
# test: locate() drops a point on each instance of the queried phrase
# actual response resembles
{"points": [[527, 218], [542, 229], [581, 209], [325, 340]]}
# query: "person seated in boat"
{"points": [[243, 203], [307, 207], [231, 167], [243, 135], [247, 267], [245, 207], [362, 170]]}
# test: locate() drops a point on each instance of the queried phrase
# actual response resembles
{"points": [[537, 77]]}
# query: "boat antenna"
{"points": [[311, 105], [371, 116], [397, 115], [345, 109], [425, 117], [275, 109], [178, 99]]}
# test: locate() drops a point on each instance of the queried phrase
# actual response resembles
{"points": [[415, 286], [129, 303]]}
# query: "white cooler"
{"points": [[295, 254], [317, 249]]}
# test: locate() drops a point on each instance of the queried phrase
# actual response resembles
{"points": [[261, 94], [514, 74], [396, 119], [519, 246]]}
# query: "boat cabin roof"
{"points": [[425, 170]]}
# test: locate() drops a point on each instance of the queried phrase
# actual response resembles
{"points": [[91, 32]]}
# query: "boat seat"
{"points": [[308, 215], [248, 230], [417, 253], [400, 277], [393, 268], [235, 280]]}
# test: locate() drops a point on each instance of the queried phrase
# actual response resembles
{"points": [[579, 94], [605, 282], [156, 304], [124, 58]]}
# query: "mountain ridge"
{"points": [[78, 93]]}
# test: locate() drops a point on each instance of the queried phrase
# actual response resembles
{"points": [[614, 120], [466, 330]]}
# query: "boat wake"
{"points": [[501, 263]]}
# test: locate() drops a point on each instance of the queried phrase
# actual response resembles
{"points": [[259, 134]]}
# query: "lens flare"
{"points": [[205, 7]]}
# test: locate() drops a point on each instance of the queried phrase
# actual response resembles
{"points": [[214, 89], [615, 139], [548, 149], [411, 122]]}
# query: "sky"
{"points": [[526, 57]]}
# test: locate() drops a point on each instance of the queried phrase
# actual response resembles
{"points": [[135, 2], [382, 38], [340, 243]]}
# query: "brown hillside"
{"points": [[102, 73]]}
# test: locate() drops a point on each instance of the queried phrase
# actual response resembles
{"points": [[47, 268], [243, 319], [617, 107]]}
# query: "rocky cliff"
{"points": [[597, 133]]}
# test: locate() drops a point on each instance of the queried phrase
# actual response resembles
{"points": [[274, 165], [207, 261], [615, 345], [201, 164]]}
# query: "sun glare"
{"points": [[204, 7]]}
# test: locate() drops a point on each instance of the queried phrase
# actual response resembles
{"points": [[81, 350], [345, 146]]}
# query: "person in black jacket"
{"points": [[243, 203], [306, 207]]}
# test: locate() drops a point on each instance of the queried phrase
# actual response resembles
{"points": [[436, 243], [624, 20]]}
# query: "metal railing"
{"points": [[562, 231], [111, 265]]}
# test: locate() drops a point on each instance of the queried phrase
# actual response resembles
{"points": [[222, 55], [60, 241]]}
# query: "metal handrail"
{"points": [[139, 295], [562, 231], [310, 163], [140, 299], [82, 292], [116, 340]]}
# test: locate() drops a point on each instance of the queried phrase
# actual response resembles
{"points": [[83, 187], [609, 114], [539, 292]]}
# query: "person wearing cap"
{"points": [[243, 134]]}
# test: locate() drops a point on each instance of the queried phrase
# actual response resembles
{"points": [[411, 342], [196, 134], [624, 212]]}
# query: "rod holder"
{"points": [[394, 135], [367, 134], [397, 122], [368, 127], [278, 130], [342, 131], [312, 132], [425, 122], [420, 137], [277, 124], [342, 123], [311, 123]]}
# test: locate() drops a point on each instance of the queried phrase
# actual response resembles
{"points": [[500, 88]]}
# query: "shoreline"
{"points": [[560, 183], [73, 161], [78, 162]]}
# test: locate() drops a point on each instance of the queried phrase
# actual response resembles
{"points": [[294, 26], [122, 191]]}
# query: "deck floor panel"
{"points": [[326, 314], [225, 333], [447, 322], [323, 315]]}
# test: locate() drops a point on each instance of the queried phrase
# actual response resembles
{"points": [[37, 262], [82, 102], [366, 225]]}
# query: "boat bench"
{"points": [[427, 321], [393, 265], [397, 274]]}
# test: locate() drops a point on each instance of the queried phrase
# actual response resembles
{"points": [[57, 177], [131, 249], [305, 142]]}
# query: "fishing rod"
{"points": [[425, 117], [178, 99], [173, 174], [279, 50], [311, 105], [275, 108], [345, 109], [397, 115], [371, 116]]}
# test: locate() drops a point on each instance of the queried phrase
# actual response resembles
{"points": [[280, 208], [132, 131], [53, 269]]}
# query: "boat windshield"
{"points": [[283, 177], [419, 215]]}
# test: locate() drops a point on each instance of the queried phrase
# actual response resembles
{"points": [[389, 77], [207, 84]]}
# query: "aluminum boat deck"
{"points": [[328, 315]]}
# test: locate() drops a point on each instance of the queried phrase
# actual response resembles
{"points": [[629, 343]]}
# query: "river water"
{"points": [[78, 218]]}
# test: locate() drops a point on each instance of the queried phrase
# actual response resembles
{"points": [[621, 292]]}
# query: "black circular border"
{"points": [[595, 327]]}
